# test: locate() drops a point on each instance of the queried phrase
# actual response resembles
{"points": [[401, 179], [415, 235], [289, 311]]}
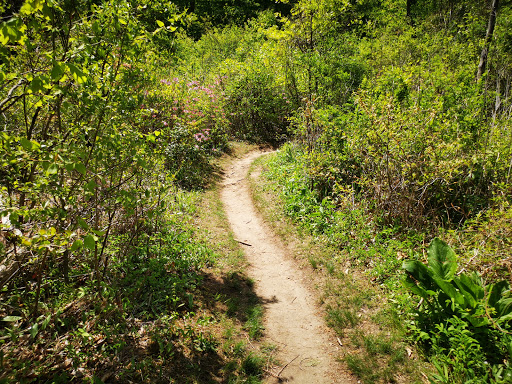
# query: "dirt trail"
{"points": [[306, 349]]}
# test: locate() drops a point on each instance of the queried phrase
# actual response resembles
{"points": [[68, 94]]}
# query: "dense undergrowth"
{"points": [[103, 278], [113, 113]]}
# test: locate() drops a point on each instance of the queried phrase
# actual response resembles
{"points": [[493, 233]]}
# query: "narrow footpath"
{"points": [[306, 348]]}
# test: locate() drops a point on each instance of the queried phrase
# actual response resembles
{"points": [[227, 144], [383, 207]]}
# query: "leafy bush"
{"points": [[257, 108]]}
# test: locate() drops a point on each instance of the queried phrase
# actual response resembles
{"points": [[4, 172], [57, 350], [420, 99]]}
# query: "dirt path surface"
{"points": [[306, 349]]}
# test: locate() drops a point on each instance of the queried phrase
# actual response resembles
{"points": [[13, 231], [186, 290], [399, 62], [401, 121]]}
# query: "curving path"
{"points": [[306, 348]]}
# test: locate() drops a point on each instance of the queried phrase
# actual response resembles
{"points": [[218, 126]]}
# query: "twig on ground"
{"points": [[291, 361]]}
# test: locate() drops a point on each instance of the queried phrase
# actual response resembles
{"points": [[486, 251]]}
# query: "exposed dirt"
{"points": [[293, 322]]}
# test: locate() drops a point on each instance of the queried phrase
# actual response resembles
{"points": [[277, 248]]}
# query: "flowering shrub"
{"points": [[191, 118]]}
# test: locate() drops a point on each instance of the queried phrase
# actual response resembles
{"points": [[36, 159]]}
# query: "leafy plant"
{"points": [[460, 320], [466, 296]]}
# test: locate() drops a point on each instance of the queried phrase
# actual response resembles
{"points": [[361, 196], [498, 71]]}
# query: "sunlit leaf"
{"points": [[52, 169], [78, 75], [77, 244], [80, 168], [90, 242], [83, 224]]}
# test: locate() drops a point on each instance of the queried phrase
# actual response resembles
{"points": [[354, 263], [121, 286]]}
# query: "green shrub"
{"points": [[257, 108], [462, 323]]}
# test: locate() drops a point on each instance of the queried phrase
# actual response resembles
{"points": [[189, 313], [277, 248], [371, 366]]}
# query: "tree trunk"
{"points": [[488, 38]]}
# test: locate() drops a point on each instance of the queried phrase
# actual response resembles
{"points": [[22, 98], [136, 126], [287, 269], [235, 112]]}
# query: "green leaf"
{"points": [[420, 272], [504, 308], [410, 284], [471, 287], [448, 288], [33, 330], [80, 168], [160, 24], [26, 144], [11, 318], [58, 71], [4, 38], [36, 85], [90, 186], [496, 292], [90, 242], [441, 260], [98, 232], [52, 169], [83, 224], [78, 75], [31, 6], [77, 244], [46, 321]]}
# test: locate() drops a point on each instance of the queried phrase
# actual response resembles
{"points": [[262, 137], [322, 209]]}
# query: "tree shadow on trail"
{"points": [[232, 294]]}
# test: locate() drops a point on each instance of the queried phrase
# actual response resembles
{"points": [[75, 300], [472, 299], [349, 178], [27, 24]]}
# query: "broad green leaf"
{"points": [[78, 75], [80, 168], [160, 24], [410, 284], [441, 260], [448, 288], [505, 318], [26, 144], [90, 242], [11, 318], [90, 186], [471, 287], [77, 244], [419, 271], [98, 232], [13, 31], [36, 85], [504, 307], [31, 6], [496, 292], [52, 169], [58, 71], [4, 38], [476, 321], [46, 321], [82, 223], [96, 27]]}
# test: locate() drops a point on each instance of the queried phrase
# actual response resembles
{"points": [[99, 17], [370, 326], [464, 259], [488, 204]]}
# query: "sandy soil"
{"points": [[293, 321]]}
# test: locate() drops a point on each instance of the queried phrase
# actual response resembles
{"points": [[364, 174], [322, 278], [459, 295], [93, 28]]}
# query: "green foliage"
{"points": [[464, 295], [463, 322], [250, 79], [257, 108]]}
